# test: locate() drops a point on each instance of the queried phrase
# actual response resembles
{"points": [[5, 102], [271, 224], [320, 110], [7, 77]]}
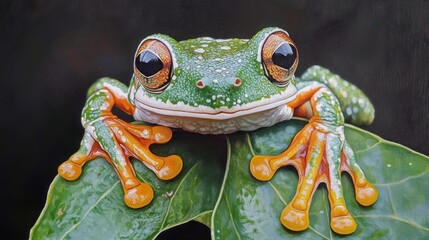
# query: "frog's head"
{"points": [[207, 78]]}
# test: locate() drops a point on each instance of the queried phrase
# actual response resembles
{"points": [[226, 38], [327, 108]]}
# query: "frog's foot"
{"points": [[116, 140], [319, 153]]}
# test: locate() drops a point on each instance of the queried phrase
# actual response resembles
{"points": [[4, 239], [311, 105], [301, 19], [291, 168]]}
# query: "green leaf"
{"points": [[240, 207], [249, 209], [93, 206]]}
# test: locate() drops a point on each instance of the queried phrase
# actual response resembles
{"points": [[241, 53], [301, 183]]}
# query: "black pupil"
{"points": [[284, 56], [148, 63]]}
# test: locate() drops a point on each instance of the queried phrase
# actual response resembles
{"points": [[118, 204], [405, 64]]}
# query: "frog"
{"points": [[221, 86]]}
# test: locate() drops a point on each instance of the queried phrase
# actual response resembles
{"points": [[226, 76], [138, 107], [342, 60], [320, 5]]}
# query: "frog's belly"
{"points": [[248, 122]]}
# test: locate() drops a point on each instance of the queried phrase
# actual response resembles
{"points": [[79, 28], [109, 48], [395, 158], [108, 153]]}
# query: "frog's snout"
{"points": [[236, 82]]}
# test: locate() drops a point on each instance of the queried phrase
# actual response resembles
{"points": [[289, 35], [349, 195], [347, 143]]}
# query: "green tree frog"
{"points": [[220, 86]]}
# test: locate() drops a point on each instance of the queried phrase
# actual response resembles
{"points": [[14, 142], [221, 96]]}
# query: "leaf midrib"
{"points": [[174, 195]]}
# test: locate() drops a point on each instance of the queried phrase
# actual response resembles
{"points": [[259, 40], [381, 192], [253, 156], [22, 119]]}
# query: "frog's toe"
{"points": [[171, 168], [341, 220], [260, 168], [155, 134], [161, 134], [165, 168], [137, 194], [366, 195], [295, 219], [70, 170]]}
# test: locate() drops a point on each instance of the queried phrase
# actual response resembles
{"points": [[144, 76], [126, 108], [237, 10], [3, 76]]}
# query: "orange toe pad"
{"points": [[69, 171], [139, 196], [294, 219]]}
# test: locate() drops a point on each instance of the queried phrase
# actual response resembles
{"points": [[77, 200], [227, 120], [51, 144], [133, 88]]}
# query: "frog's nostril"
{"points": [[237, 82], [200, 84]]}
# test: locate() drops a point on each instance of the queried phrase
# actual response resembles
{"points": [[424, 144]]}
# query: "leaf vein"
{"points": [[174, 195], [90, 209], [413, 224], [277, 192], [403, 180], [221, 192], [368, 148], [391, 200], [232, 219], [326, 210], [252, 151]]}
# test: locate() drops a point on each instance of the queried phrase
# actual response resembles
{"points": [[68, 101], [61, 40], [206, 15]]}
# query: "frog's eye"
{"points": [[280, 58], [152, 65]]}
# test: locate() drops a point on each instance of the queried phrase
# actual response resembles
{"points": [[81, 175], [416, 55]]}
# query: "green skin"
{"points": [[218, 63]]}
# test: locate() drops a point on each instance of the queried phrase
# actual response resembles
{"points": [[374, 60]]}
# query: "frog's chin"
{"points": [[180, 109], [253, 120]]}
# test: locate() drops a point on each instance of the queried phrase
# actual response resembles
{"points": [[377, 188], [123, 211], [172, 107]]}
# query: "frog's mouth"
{"points": [[223, 113]]}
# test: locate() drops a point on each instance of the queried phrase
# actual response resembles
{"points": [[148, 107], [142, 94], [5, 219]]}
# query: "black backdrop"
{"points": [[51, 51]]}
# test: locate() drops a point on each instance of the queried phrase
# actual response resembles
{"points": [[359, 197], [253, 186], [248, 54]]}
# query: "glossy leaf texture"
{"points": [[250, 209], [92, 207], [240, 207]]}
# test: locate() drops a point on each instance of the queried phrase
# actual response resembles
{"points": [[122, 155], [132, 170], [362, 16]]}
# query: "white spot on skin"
{"points": [[361, 102], [204, 45], [218, 59], [239, 60], [199, 50], [355, 109], [410, 164], [333, 82], [354, 100], [348, 111], [246, 95], [225, 48], [227, 99], [208, 100], [174, 77], [215, 81], [218, 70], [344, 94], [389, 165], [214, 97], [200, 57]]}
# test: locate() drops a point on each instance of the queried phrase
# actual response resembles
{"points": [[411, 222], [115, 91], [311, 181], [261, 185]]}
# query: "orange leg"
{"points": [[115, 140], [319, 152]]}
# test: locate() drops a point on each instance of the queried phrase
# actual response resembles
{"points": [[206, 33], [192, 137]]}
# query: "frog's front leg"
{"points": [[115, 140], [319, 152]]}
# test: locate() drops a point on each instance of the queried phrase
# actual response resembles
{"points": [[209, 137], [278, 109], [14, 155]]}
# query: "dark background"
{"points": [[51, 51]]}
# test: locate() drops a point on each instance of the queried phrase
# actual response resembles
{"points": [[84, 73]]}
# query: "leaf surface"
{"points": [[240, 207], [249, 209], [93, 206]]}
